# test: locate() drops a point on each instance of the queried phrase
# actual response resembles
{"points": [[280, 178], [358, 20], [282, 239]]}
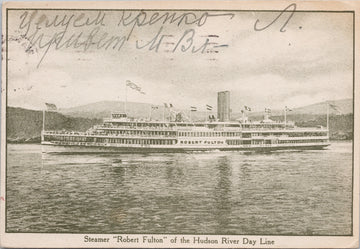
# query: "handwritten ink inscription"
{"points": [[156, 31], [80, 31], [256, 28]]}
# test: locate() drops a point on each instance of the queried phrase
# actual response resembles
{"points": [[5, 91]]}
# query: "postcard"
{"points": [[180, 124]]}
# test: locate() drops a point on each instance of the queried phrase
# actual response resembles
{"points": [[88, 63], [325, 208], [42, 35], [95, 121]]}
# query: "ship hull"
{"points": [[75, 149]]}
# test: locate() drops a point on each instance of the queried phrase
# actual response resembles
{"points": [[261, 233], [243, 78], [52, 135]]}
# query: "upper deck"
{"points": [[121, 125], [260, 126]]}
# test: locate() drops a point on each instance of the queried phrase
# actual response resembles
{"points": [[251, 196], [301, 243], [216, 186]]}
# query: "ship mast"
{"points": [[150, 112], [327, 117], [43, 123], [125, 104], [285, 116]]}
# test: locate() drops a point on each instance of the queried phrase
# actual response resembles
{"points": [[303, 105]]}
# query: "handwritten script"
{"points": [[87, 32], [166, 31], [282, 29]]}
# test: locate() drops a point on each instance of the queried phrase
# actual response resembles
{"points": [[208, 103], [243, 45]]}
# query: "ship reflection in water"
{"points": [[284, 193]]}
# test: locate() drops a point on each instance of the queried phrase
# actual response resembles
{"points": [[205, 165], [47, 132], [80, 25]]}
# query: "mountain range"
{"points": [[23, 125], [104, 109]]}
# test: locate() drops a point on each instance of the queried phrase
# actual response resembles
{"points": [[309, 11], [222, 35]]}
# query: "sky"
{"points": [[311, 61]]}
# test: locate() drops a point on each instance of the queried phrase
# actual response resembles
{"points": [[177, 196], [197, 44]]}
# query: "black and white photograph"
{"points": [[179, 125]]}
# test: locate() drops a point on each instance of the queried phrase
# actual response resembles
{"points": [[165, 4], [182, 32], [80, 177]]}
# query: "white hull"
{"points": [[49, 147]]}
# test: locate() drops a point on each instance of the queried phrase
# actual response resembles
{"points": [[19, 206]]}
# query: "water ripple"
{"points": [[283, 193]]}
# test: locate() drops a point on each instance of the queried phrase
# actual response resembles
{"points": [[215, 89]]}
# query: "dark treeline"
{"points": [[341, 126], [24, 125]]}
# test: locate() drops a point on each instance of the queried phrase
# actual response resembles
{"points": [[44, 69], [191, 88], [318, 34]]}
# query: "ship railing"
{"points": [[132, 135], [65, 133], [180, 129], [288, 138], [136, 127], [287, 129], [175, 128], [170, 128], [106, 134], [284, 144]]}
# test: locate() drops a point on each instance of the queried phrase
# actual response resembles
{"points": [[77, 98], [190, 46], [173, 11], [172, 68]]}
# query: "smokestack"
{"points": [[223, 107]]}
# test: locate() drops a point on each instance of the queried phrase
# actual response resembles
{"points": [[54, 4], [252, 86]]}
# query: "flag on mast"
{"points": [[134, 86], [209, 107], [193, 108], [51, 107], [247, 108], [288, 109]]}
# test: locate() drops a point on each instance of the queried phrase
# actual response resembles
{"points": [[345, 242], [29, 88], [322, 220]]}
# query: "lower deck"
{"points": [[61, 146], [219, 142]]}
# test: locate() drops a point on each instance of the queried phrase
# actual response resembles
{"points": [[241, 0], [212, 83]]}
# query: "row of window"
{"points": [[306, 134], [137, 125], [261, 142], [69, 138], [302, 141], [290, 134], [169, 141], [262, 126], [138, 132], [111, 140], [135, 141], [234, 142], [209, 134]]}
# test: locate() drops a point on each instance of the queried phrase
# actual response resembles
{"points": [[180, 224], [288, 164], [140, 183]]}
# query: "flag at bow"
{"points": [[209, 107], [51, 107], [134, 86], [247, 108], [193, 108]]}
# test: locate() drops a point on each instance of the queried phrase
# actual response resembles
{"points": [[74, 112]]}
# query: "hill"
{"points": [[343, 106], [103, 109], [25, 125], [340, 126]]}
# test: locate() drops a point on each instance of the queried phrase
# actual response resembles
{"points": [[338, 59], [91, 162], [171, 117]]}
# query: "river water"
{"points": [[280, 193]]}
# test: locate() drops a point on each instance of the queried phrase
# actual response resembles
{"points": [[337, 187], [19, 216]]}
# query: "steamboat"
{"points": [[119, 133]]}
